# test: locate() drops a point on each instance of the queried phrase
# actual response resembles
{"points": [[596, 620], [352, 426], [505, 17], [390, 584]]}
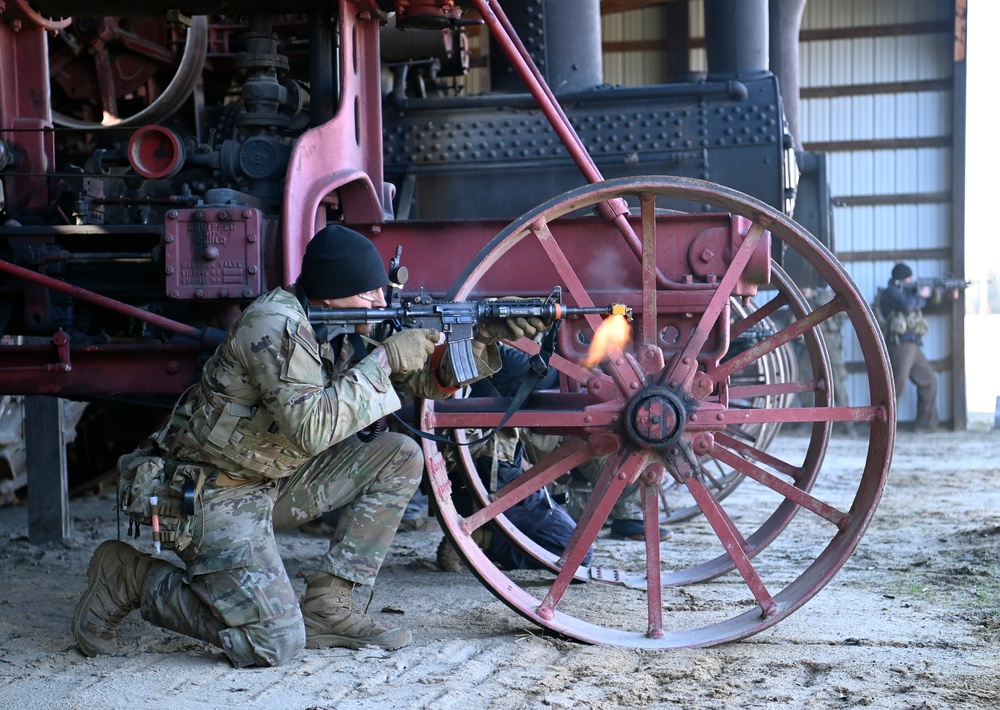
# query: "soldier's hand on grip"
{"points": [[408, 350], [512, 328]]}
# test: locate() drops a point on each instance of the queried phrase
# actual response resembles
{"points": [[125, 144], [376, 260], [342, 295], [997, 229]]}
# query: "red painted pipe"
{"points": [[210, 337]]}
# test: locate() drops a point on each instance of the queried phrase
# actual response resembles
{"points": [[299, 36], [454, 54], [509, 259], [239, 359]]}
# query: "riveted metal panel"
{"points": [[213, 253]]}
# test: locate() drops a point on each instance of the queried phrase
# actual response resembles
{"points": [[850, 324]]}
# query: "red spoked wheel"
{"points": [[664, 405], [124, 71]]}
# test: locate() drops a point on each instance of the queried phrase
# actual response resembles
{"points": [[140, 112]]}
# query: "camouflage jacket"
{"points": [[272, 397]]}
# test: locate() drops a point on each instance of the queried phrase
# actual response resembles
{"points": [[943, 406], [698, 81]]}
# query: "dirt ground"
{"points": [[912, 620]]}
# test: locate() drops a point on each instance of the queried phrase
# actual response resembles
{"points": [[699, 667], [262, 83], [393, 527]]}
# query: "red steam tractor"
{"points": [[159, 171]]}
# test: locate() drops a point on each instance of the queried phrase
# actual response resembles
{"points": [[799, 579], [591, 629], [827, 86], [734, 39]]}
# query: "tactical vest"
{"points": [[897, 323], [232, 435], [235, 437]]}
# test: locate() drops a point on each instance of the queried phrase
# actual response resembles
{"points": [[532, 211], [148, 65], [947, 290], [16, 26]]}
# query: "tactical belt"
{"points": [[226, 481]]}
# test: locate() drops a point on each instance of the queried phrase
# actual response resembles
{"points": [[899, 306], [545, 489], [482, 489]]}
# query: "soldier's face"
{"points": [[370, 299]]}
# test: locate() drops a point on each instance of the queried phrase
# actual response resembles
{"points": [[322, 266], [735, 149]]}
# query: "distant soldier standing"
{"points": [[266, 440], [902, 309]]}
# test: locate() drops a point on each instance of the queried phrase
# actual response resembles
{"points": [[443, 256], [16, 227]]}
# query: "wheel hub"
{"points": [[654, 418]]}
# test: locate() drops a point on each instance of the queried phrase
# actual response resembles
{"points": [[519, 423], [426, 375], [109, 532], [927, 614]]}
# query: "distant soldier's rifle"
{"points": [[937, 284]]}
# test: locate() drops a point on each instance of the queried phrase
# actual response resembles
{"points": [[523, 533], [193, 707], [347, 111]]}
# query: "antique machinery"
{"points": [[141, 208]]}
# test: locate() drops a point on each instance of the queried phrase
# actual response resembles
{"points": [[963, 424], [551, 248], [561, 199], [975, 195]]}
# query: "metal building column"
{"points": [[959, 401], [45, 448]]}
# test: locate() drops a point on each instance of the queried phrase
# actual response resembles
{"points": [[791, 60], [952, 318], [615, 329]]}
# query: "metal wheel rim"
{"points": [[850, 522]]}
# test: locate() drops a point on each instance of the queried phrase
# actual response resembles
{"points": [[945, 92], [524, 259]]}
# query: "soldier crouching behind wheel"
{"points": [[265, 442]]}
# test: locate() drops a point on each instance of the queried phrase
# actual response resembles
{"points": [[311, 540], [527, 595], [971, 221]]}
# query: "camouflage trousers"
{"points": [[235, 592]]}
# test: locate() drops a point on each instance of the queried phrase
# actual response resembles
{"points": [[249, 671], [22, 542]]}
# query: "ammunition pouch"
{"points": [[916, 323], [144, 474], [897, 324]]}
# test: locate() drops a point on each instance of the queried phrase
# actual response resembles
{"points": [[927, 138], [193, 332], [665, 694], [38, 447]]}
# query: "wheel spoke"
{"points": [[647, 202], [804, 414], [606, 490], [785, 489], [759, 315], [772, 343], [651, 526], [570, 454], [623, 374], [107, 84], [734, 543], [684, 366], [791, 470]]}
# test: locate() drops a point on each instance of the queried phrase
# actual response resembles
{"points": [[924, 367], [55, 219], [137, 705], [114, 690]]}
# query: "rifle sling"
{"points": [[539, 367]]}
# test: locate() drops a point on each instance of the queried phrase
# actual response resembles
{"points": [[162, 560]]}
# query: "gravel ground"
{"points": [[911, 620]]}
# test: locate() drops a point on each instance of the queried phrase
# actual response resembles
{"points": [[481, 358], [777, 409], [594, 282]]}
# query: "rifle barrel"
{"points": [[546, 310]]}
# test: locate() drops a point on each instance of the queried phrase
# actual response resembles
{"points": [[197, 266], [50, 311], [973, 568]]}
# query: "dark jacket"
{"points": [[904, 300]]}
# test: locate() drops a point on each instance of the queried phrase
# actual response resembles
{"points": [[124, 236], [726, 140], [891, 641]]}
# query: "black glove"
{"points": [[408, 350], [512, 328]]}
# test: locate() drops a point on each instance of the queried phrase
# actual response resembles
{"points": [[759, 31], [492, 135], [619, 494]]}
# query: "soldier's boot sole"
{"points": [[389, 640], [111, 595]]}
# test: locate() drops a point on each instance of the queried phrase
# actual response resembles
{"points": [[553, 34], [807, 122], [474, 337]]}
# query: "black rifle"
{"points": [[458, 320], [935, 284]]}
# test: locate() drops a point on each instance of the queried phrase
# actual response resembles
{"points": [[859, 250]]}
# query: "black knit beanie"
{"points": [[339, 263], [901, 271]]}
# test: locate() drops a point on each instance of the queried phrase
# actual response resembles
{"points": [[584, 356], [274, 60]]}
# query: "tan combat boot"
{"points": [[332, 619], [115, 577], [448, 559]]}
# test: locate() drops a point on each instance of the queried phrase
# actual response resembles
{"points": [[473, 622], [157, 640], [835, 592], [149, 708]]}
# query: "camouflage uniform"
{"points": [[270, 425]]}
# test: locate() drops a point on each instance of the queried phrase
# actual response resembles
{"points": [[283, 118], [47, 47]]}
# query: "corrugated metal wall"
{"points": [[877, 89], [640, 67], [877, 98]]}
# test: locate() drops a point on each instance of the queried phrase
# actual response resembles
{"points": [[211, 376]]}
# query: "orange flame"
{"points": [[614, 330]]}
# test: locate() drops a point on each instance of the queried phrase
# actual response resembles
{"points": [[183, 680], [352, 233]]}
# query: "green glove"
{"points": [[512, 328], [408, 350]]}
